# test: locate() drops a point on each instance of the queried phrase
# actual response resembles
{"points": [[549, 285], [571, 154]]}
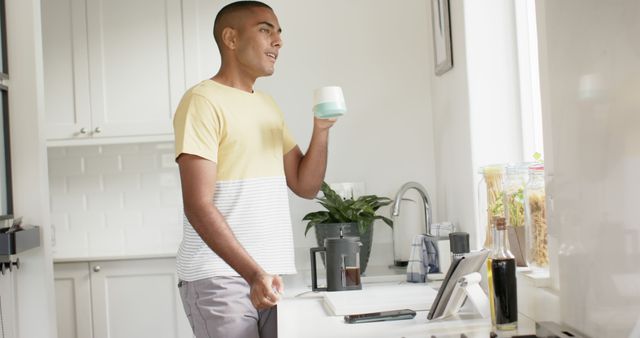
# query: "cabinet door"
{"points": [[137, 298], [73, 300], [202, 58], [66, 69], [137, 65]]}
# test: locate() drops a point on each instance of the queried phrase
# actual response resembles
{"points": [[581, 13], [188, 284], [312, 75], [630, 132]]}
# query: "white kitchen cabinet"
{"points": [[73, 300], [202, 58], [119, 299], [113, 68]]}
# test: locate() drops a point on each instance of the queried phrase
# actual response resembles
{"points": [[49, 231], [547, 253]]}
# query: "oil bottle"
{"points": [[502, 281], [492, 225]]}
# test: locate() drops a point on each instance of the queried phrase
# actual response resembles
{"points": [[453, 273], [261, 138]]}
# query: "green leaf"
{"points": [[363, 224], [537, 156], [338, 210], [386, 220], [316, 215], [309, 226]]}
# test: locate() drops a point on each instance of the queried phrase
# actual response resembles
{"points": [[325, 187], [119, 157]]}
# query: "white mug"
{"points": [[328, 102]]}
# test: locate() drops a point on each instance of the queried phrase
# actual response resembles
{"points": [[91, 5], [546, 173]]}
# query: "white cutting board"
{"points": [[376, 298]]}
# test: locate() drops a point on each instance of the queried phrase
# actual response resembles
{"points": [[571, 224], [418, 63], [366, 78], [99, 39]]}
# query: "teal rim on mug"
{"points": [[326, 110], [328, 102]]}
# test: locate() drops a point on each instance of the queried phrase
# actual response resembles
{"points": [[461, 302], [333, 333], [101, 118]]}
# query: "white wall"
{"points": [[378, 52], [115, 200], [452, 131], [475, 106], [34, 280], [590, 85]]}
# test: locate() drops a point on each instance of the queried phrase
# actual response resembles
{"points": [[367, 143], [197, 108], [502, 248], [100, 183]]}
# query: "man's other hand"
{"points": [[266, 290]]}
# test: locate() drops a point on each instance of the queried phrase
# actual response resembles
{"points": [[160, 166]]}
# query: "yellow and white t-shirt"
{"points": [[245, 135]]}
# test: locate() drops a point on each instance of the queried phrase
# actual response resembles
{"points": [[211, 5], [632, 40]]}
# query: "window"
{"points": [[530, 98], [530, 101]]}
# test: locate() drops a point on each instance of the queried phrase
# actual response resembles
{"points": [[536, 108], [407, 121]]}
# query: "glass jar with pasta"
{"points": [[490, 199], [516, 176], [537, 253]]}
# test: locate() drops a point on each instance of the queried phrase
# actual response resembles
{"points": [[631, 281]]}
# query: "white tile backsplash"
{"points": [[84, 183], [103, 164], [65, 166], [104, 201], [115, 200], [156, 147], [121, 182], [60, 220], [57, 152], [107, 242], [120, 149], [71, 244], [169, 199], [67, 203], [86, 220], [142, 199], [171, 236], [161, 217], [142, 240], [81, 151], [140, 162], [124, 218], [157, 180], [58, 185]]}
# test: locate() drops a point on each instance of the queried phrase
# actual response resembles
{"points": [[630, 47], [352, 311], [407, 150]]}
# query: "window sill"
{"points": [[538, 278]]}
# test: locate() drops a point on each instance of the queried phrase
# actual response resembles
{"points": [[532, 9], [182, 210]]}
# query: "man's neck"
{"points": [[234, 80]]}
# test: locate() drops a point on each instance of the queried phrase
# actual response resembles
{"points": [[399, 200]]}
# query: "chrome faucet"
{"points": [[425, 199]]}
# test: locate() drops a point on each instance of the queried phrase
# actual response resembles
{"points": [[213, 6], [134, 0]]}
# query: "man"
{"points": [[236, 159]]}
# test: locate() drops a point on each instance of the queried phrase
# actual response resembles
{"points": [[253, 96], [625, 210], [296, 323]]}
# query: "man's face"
{"points": [[259, 42]]}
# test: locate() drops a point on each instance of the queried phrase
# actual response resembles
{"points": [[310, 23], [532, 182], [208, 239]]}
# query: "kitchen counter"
{"points": [[302, 313], [113, 257]]}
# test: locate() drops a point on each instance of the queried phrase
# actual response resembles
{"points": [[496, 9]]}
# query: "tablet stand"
{"points": [[468, 286]]}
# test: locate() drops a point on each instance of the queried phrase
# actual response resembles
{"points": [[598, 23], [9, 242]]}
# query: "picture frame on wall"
{"points": [[442, 53], [4, 68]]}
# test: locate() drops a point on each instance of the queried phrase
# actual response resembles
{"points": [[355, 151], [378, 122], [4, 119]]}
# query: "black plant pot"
{"points": [[348, 229]]}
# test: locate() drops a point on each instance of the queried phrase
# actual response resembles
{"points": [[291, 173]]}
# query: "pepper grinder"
{"points": [[459, 242]]}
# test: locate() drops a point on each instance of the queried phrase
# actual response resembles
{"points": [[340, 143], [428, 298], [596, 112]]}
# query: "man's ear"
{"points": [[230, 37]]}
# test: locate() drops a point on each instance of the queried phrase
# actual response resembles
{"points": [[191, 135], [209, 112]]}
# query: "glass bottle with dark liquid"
{"points": [[504, 293]]}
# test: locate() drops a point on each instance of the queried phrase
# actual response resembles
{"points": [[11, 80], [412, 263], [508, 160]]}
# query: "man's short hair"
{"points": [[231, 8]]}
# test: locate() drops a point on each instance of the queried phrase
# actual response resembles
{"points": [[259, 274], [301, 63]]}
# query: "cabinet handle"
{"points": [[96, 268], [83, 130], [98, 130]]}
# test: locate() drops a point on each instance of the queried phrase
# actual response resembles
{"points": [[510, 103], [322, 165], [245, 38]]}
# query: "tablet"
{"points": [[460, 267]]}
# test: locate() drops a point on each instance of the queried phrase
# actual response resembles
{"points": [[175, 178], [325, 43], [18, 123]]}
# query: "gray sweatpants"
{"points": [[220, 307]]}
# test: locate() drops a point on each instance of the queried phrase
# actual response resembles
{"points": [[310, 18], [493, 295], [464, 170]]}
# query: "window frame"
{"points": [[6, 140]]}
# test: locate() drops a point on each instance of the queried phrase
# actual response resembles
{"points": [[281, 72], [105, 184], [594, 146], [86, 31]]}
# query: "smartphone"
{"points": [[380, 316]]}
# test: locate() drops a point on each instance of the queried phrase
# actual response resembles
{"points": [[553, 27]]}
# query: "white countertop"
{"points": [[95, 258], [302, 313]]}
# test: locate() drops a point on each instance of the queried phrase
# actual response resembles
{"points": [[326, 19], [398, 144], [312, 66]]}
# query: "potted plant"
{"points": [[354, 217]]}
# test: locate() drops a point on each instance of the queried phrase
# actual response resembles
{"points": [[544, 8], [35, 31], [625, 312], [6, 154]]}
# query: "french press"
{"points": [[342, 261]]}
